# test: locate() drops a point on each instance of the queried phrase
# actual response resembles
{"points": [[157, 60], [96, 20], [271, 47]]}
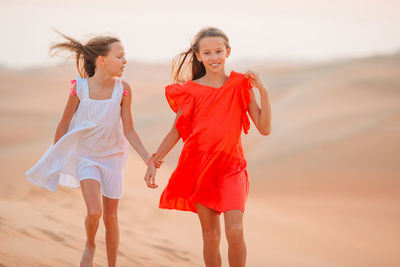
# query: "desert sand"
{"points": [[324, 186]]}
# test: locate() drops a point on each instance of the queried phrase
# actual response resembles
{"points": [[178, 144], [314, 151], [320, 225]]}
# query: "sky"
{"points": [[155, 31]]}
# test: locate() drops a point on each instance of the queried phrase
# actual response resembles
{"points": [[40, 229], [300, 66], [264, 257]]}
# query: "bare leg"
{"points": [[110, 218], [91, 195], [211, 230], [235, 237]]}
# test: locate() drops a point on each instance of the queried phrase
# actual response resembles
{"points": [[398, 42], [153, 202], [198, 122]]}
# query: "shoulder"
{"points": [[175, 88], [240, 80], [126, 85], [178, 92], [126, 89], [73, 94], [188, 85], [187, 88], [237, 76]]}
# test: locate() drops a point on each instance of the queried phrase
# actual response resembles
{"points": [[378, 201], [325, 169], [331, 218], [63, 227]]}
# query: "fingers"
{"points": [[153, 180], [150, 183], [149, 178], [250, 74], [153, 161], [158, 163]]}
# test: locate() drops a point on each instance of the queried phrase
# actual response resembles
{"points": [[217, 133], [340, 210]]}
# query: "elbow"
{"points": [[62, 128], [174, 132], [128, 131], [265, 132]]}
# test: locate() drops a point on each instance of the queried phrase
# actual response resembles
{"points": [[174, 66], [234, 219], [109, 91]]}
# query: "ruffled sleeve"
{"points": [[245, 88], [178, 98]]}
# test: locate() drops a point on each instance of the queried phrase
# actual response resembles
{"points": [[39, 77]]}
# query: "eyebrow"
{"points": [[205, 49]]}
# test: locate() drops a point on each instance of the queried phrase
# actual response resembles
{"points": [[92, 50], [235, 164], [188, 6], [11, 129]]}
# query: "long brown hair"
{"points": [[85, 54], [186, 66]]}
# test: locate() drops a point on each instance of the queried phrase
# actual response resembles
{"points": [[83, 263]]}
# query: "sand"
{"points": [[325, 185]]}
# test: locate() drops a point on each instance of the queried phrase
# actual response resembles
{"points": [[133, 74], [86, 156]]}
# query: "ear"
{"points": [[228, 52], [198, 56], [100, 60]]}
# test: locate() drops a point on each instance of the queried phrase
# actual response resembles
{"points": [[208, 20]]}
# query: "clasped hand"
{"points": [[152, 165]]}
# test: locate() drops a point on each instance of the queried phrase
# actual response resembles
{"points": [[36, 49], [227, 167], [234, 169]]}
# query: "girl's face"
{"points": [[115, 60], [213, 52]]}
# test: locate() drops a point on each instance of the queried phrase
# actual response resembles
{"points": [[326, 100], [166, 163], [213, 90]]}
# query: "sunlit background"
{"points": [[155, 31]]}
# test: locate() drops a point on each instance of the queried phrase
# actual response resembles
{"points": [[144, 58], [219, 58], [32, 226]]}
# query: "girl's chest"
{"points": [[98, 109], [221, 100]]}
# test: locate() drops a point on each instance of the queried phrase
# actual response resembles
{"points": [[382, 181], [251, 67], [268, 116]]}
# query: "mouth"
{"points": [[214, 64]]}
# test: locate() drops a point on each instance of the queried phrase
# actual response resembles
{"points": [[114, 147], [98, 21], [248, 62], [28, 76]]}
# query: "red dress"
{"points": [[211, 169]]}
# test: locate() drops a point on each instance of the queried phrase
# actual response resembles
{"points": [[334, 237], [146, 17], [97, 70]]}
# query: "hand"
{"points": [[150, 176], [156, 162], [256, 79]]}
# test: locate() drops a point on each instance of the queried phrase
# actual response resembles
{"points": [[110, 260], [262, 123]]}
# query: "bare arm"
{"points": [[69, 111], [166, 145], [260, 116], [129, 129], [169, 140]]}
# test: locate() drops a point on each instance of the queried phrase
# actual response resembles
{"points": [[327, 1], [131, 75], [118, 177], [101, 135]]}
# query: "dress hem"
{"points": [[175, 207], [45, 186]]}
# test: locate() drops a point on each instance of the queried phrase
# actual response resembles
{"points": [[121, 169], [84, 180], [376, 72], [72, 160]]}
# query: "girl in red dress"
{"points": [[211, 111]]}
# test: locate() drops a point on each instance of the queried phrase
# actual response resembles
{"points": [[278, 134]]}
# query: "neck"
{"points": [[215, 76], [102, 77]]}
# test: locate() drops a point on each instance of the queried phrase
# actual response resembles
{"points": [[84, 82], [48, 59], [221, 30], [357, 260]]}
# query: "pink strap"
{"points": [[72, 91]]}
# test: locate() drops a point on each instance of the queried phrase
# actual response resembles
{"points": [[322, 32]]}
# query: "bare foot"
{"points": [[87, 256]]}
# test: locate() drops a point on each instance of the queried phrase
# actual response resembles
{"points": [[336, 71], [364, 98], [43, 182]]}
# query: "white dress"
{"points": [[93, 148]]}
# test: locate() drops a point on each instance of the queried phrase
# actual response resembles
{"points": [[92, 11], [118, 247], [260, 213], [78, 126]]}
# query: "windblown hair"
{"points": [[85, 54]]}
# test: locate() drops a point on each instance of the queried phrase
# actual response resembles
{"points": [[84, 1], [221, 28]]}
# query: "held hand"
{"points": [[256, 79], [150, 177], [156, 162]]}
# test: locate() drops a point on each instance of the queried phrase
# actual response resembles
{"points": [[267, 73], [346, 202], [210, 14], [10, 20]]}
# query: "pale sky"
{"points": [[155, 31]]}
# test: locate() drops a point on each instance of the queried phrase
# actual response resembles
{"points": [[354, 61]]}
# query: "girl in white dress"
{"points": [[90, 146]]}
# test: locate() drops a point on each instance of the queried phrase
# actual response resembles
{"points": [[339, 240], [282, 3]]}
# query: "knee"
{"points": [[94, 214], [211, 236], [234, 234], [110, 219]]}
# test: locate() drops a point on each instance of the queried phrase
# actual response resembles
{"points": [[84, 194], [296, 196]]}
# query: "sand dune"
{"points": [[325, 186]]}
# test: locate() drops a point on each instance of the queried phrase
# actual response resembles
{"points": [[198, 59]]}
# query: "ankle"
{"points": [[90, 245]]}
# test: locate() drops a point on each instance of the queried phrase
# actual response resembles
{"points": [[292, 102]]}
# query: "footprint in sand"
{"points": [[173, 254], [57, 238], [52, 235]]}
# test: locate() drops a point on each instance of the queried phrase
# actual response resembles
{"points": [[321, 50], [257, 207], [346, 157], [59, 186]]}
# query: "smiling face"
{"points": [[212, 53], [114, 62]]}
